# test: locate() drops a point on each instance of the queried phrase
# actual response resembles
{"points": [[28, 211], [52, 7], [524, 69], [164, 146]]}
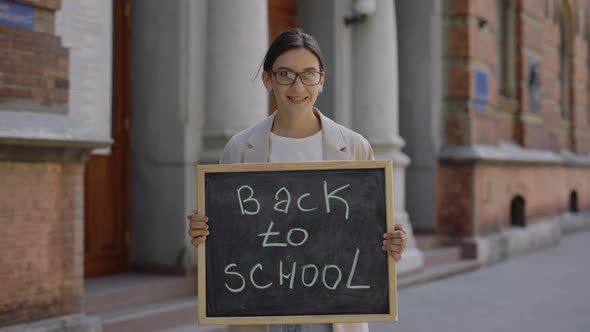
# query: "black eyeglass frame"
{"points": [[298, 75]]}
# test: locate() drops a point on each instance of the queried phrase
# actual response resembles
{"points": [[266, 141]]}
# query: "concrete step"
{"points": [[151, 317], [426, 242], [141, 302], [441, 256], [194, 327], [126, 290]]}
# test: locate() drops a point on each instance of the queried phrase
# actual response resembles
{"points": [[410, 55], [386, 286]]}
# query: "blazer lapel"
{"points": [[334, 144], [259, 141]]}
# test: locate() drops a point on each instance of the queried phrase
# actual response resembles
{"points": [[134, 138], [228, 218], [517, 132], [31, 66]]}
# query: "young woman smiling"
{"points": [[293, 71]]}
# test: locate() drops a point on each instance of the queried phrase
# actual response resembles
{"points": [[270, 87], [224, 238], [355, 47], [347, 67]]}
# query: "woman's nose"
{"points": [[297, 85]]}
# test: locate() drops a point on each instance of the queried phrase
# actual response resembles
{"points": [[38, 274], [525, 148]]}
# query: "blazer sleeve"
{"points": [[369, 149], [232, 153], [226, 154], [362, 149]]}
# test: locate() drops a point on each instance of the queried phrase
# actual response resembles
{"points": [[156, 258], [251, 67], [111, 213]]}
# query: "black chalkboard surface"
{"points": [[296, 243]]}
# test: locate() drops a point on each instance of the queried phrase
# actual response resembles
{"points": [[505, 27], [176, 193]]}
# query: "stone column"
{"points": [[236, 98], [375, 106]]}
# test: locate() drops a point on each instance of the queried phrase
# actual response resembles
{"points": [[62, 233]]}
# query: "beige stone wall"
{"points": [[41, 242]]}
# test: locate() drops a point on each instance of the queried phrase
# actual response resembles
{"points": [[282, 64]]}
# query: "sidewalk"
{"points": [[545, 291]]}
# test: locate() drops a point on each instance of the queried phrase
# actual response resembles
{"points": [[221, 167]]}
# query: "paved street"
{"points": [[546, 291]]}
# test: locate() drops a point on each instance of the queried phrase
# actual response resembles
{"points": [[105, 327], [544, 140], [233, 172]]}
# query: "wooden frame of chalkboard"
{"points": [[286, 192]]}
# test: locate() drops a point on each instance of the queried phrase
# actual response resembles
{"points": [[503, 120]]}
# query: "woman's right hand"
{"points": [[198, 228]]}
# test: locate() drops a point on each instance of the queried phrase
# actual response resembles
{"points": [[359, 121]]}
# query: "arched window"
{"points": [[574, 202], [506, 68], [517, 212]]}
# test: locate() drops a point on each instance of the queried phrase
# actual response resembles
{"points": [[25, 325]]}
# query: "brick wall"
{"points": [[540, 25], [41, 203], [496, 186], [41, 243], [474, 197], [471, 48], [472, 28], [42, 4], [455, 201], [475, 200], [34, 65]]}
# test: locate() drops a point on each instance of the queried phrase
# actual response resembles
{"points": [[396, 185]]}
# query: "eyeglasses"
{"points": [[286, 77]]}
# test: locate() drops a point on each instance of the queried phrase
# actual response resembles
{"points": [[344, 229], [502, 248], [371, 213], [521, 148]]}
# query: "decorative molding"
{"points": [[44, 136], [507, 152], [43, 153], [507, 105]]}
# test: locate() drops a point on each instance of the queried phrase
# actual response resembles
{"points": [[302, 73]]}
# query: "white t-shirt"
{"points": [[287, 149]]}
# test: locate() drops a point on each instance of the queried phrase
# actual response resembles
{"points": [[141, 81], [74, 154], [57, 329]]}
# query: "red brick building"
{"points": [[517, 116]]}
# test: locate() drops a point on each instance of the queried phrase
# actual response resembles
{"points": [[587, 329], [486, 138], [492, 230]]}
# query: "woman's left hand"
{"points": [[395, 242]]}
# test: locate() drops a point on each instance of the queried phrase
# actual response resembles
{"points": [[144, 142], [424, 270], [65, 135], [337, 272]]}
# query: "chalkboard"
{"points": [[296, 243]]}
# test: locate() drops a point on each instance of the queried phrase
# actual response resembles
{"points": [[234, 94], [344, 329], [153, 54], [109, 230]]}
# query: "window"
{"points": [[506, 72], [565, 62], [517, 212], [574, 202], [588, 63]]}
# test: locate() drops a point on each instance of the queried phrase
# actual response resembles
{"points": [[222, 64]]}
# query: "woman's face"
{"points": [[296, 97]]}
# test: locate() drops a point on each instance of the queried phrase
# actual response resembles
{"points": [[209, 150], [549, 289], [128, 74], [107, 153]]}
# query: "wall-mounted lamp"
{"points": [[361, 10]]}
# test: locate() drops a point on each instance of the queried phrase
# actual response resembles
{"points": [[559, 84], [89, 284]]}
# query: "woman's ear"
{"points": [[267, 80]]}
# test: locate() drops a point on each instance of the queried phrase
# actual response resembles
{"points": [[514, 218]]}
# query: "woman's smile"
{"points": [[296, 100]]}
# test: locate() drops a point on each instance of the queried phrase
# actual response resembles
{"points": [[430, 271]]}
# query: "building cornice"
{"points": [[33, 136], [509, 153]]}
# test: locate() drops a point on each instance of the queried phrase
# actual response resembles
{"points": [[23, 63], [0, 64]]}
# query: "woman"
{"points": [[293, 71]]}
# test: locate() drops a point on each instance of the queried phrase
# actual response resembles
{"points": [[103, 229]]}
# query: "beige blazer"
{"points": [[251, 145]]}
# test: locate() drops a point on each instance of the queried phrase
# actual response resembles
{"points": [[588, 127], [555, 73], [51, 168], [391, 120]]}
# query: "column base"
{"points": [[412, 258], [213, 145], [210, 156]]}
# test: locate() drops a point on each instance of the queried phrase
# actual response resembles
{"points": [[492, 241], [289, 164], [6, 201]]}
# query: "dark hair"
{"points": [[289, 40]]}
